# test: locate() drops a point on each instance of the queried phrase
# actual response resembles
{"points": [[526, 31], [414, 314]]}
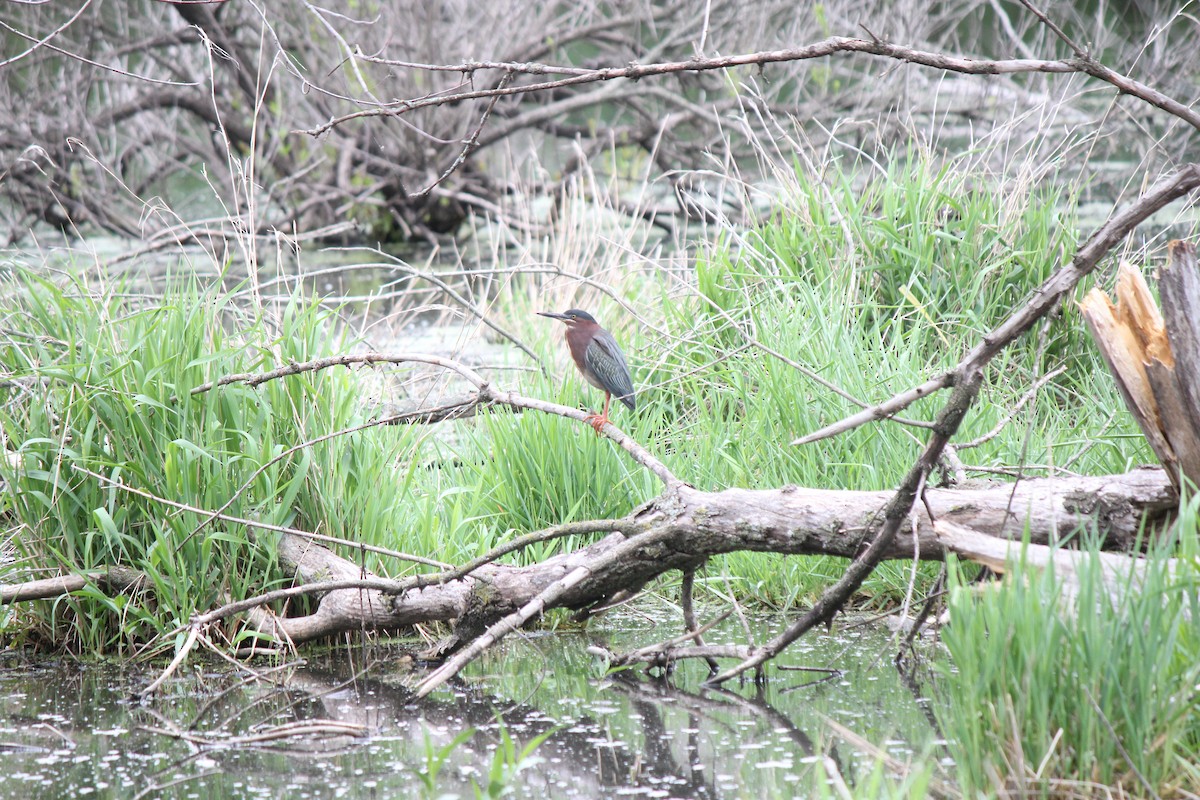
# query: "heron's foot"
{"points": [[597, 421]]}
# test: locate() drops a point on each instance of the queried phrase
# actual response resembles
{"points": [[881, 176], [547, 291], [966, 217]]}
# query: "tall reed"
{"points": [[1050, 696]]}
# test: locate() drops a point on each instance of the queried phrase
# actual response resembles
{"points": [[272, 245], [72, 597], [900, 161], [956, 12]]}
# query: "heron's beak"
{"points": [[553, 315]]}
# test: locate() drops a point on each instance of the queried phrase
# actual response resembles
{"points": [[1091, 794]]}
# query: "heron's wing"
{"points": [[606, 361]]}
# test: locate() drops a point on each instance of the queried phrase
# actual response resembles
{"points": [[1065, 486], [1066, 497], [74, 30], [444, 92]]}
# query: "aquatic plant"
{"points": [[1054, 696], [99, 398]]}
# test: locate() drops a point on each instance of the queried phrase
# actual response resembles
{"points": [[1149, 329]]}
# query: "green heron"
{"points": [[599, 358]]}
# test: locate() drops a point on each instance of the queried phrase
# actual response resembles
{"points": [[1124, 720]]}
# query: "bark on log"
{"points": [[789, 521], [1179, 288], [353, 609]]}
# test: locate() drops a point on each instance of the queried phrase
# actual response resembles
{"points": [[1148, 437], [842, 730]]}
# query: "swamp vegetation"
{"points": [[189, 415]]}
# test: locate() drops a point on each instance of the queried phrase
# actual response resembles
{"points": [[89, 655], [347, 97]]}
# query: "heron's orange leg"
{"points": [[598, 421]]}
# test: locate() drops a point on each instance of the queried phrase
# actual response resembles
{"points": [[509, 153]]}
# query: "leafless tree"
{"points": [[136, 121]]}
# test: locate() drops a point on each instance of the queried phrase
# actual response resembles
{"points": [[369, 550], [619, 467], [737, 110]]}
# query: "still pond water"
{"points": [[67, 731]]}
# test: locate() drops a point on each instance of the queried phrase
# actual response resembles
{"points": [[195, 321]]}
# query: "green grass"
{"points": [[874, 284], [103, 384], [1046, 695]]}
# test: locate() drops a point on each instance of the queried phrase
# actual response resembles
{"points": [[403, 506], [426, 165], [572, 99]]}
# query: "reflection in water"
{"points": [[213, 733]]}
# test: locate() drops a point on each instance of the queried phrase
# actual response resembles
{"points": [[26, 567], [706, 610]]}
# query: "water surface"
{"points": [[71, 731]]}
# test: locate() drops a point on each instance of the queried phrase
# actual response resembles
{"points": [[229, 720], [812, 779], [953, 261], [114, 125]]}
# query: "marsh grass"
{"points": [[873, 283], [1048, 696], [102, 383]]}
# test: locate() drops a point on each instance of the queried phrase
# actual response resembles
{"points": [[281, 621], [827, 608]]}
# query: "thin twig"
{"points": [[663, 653], [1116, 737], [159, 789], [486, 394], [689, 614], [250, 523], [45, 42], [1012, 412], [885, 410], [180, 656], [1049, 23], [470, 145], [255, 379], [666, 655], [521, 542], [926, 609]]}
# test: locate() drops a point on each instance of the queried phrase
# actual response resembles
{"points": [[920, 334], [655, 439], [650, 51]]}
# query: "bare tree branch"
{"points": [[828, 47], [966, 378], [834, 598], [485, 393]]}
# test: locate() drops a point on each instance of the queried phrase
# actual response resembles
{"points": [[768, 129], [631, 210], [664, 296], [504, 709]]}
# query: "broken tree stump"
{"points": [[1155, 357]]}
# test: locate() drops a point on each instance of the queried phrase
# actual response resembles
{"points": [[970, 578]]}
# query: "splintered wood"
{"points": [[1155, 357]]}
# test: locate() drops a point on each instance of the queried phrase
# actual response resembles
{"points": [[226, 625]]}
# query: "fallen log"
{"points": [[678, 530], [685, 525]]}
